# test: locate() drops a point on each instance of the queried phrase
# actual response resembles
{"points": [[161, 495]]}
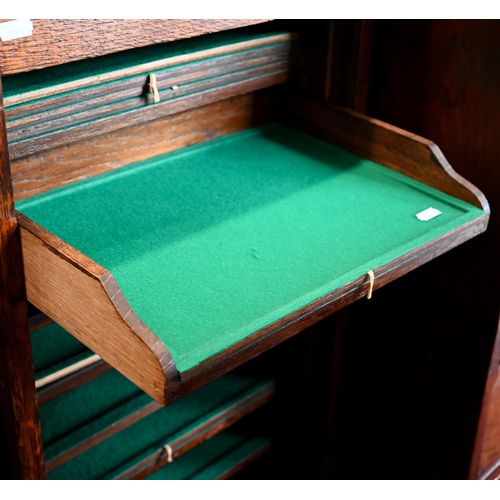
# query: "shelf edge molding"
{"points": [[62, 282]]}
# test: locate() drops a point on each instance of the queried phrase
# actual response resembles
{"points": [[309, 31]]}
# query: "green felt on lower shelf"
{"points": [[80, 407], [211, 243], [133, 443], [213, 458], [53, 348]]}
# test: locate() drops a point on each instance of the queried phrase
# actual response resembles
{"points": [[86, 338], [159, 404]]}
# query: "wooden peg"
{"points": [[153, 88], [168, 449]]}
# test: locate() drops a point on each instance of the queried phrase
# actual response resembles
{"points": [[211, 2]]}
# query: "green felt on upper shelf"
{"points": [[216, 241]]}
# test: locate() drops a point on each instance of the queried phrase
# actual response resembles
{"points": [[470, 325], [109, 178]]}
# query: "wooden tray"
{"points": [[179, 268]]}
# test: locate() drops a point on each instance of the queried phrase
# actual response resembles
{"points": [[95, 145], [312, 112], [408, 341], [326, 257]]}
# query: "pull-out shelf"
{"points": [[181, 267]]}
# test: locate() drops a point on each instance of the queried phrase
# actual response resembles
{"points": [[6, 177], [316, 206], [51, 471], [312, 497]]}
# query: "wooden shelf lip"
{"points": [[64, 283]]}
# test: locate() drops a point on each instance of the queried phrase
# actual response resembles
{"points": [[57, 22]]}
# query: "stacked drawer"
{"points": [[98, 425]]}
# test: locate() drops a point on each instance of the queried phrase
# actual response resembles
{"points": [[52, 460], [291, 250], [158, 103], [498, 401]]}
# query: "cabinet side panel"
{"points": [[21, 455]]}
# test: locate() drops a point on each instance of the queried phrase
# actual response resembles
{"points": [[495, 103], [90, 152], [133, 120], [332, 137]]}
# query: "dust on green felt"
{"points": [[216, 241]]}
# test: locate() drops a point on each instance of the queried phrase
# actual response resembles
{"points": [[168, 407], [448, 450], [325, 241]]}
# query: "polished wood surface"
{"points": [[21, 455], [58, 41], [59, 166]]}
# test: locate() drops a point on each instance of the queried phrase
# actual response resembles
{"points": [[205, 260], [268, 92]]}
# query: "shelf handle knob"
{"points": [[168, 449], [372, 281]]}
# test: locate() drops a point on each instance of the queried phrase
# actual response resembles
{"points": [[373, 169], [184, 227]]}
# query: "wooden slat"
{"points": [[485, 458], [58, 138], [202, 59], [59, 166], [58, 41], [56, 104], [38, 321], [244, 463], [199, 434], [60, 119]]}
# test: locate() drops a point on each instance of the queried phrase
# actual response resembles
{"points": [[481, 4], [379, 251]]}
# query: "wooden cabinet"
{"points": [[182, 204]]}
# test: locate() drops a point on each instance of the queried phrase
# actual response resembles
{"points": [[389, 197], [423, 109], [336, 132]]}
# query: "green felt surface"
{"points": [[53, 348], [214, 242], [212, 458], [149, 434], [79, 407], [57, 75]]}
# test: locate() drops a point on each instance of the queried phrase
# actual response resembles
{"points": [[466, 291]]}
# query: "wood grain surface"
{"points": [[58, 102], [101, 153], [21, 453], [231, 86], [58, 41]]}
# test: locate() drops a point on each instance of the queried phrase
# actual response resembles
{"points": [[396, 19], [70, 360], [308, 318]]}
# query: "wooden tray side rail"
{"points": [[64, 283], [60, 280], [380, 142]]}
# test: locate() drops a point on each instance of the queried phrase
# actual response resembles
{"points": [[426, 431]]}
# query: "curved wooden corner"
{"points": [[382, 143], [85, 299]]}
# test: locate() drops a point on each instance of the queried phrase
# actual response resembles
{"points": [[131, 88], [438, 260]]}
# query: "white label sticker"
{"points": [[428, 214], [19, 28]]}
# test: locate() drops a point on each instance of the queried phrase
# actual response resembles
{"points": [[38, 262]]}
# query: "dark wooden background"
{"points": [[393, 386]]}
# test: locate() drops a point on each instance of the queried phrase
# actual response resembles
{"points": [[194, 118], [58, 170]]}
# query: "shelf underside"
{"points": [[215, 242]]}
